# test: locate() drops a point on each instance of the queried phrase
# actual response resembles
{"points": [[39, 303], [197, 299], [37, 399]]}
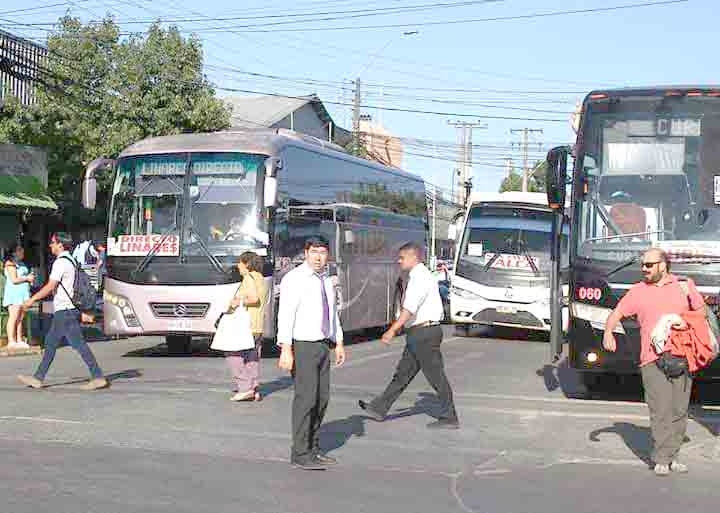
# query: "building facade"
{"points": [[380, 144], [21, 64]]}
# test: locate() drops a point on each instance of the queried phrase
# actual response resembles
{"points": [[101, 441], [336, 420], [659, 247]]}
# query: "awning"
{"points": [[24, 192]]}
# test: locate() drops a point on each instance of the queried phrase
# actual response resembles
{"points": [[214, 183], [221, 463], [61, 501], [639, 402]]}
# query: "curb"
{"points": [[6, 353]]}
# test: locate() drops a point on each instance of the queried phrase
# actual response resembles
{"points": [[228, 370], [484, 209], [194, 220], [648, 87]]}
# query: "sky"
{"points": [[532, 68]]}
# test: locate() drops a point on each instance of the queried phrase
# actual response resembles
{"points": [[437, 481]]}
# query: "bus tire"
{"points": [[179, 344], [590, 383]]}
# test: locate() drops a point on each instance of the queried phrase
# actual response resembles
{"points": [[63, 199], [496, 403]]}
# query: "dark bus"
{"points": [[646, 174]]}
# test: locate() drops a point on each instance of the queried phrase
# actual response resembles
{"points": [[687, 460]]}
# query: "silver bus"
{"points": [[184, 207], [502, 266]]}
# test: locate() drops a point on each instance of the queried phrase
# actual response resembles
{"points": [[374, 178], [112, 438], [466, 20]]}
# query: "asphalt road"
{"points": [[166, 438]]}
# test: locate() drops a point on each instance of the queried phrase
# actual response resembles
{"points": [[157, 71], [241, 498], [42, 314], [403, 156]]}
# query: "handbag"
{"points": [[672, 366], [233, 332]]}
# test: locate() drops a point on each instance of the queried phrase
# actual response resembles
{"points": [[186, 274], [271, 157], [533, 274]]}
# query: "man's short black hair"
{"points": [[63, 238], [414, 247], [317, 241]]}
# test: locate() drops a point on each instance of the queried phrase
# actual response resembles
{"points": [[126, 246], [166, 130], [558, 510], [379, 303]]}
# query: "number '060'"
{"points": [[590, 293]]}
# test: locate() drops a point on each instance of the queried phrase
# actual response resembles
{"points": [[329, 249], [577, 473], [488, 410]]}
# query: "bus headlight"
{"points": [[463, 293], [125, 308]]}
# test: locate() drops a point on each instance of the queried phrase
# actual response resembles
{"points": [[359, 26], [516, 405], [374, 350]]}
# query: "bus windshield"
{"points": [[211, 198], [505, 239], [648, 174]]}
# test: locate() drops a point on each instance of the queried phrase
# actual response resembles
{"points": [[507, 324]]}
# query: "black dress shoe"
{"points": [[444, 424], [324, 459], [308, 464], [370, 412]]}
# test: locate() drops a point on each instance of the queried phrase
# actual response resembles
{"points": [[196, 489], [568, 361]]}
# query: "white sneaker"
{"points": [[21, 345], [678, 467], [662, 470]]}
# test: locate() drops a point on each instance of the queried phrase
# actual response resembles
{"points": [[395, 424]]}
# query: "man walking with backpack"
{"points": [[68, 296]]}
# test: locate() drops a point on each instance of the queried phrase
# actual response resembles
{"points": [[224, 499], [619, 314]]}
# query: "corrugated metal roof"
{"points": [[19, 192], [264, 111]]}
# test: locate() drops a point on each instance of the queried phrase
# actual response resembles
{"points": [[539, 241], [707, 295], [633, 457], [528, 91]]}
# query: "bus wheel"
{"points": [[179, 344], [590, 383]]}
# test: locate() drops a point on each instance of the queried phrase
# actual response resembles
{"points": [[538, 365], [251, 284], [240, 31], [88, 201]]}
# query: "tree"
{"points": [[536, 179], [98, 92]]}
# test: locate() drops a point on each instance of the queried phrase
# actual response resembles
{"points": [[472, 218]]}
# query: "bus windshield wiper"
{"points": [[506, 248], [212, 258], [528, 256], [627, 263], [151, 254]]}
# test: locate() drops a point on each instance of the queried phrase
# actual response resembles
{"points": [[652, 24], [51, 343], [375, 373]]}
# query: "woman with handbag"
{"points": [[252, 295]]}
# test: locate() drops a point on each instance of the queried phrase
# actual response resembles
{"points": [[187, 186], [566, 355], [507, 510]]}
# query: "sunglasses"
{"points": [[648, 265]]}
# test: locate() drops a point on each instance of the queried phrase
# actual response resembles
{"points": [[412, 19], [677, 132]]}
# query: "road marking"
{"points": [[364, 359], [42, 419]]}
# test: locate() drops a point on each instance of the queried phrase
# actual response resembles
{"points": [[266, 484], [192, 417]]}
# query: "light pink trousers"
{"points": [[245, 366]]}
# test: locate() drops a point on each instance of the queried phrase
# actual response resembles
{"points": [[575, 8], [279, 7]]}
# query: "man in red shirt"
{"points": [[659, 294]]}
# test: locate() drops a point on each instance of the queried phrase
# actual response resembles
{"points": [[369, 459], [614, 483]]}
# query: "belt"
{"points": [[426, 324]]}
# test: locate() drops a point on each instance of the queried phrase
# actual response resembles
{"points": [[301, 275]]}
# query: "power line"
{"points": [[394, 109], [355, 13], [448, 22]]}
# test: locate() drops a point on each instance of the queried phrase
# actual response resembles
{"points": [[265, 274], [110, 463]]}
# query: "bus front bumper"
{"points": [[131, 309], [479, 310]]}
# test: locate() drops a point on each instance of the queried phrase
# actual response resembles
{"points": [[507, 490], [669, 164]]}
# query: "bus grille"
{"points": [[180, 310], [521, 318]]}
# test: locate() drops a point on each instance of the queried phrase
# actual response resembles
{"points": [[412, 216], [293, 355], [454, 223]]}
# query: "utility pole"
{"points": [[509, 166], [524, 148], [356, 118], [465, 131], [433, 228]]}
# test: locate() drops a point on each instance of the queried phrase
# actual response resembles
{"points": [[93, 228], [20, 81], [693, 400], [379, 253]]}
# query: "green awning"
{"points": [[24, 192]]}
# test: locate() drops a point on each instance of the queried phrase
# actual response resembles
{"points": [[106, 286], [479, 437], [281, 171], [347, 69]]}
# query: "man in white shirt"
{"points": [[308, 324], [420, 314], [66, 316]]}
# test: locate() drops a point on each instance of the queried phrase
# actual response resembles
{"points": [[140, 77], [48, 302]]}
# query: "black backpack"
{"points": [[84, 294]]}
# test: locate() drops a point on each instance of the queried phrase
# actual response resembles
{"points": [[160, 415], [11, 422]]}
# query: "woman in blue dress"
{"points": [[18, 280]]}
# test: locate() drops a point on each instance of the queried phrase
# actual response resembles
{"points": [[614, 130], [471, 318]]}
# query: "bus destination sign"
{"points": [[141, 245]]}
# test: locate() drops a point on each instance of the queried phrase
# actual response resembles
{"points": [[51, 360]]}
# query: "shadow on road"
{"points": [[276, 385], [115, 376], [636, 438], [335, 434], [607, 387]]}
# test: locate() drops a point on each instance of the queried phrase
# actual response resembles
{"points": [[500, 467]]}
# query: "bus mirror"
{"points": [[349, 237], [555, 177], [89, 192], [89, 184], [270, 191], [452, 232]]}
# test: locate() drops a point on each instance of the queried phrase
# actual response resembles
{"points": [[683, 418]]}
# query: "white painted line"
{"points": [[41, 419], [352, 362]]}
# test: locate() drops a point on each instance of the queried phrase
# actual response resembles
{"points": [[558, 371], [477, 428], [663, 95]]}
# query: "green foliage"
{"points": [[536, 180], [99, 92]]}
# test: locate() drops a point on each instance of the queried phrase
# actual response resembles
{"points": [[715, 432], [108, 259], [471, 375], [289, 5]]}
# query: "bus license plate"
{"points": [[506, 309], [180, 325]]}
